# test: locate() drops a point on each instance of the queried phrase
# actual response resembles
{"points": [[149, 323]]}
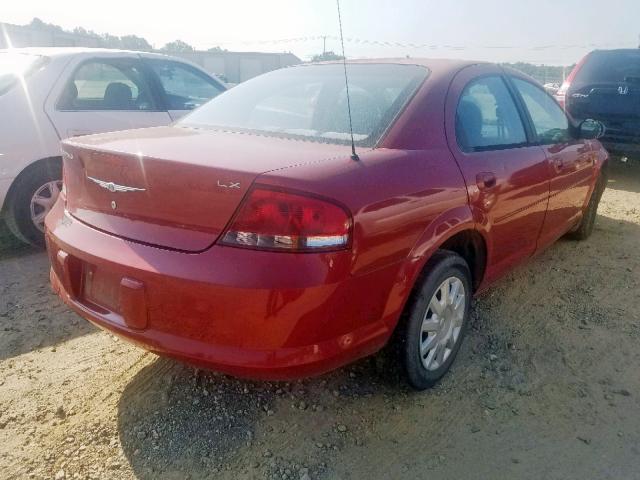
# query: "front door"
{"points": [[507, 177], [103, 95], [571, 161]]}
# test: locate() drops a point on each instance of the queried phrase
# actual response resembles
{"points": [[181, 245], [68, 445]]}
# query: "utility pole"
{"points": [[324, 44]]}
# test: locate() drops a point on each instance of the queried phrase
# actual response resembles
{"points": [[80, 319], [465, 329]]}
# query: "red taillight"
{"points": [[278, 220]]}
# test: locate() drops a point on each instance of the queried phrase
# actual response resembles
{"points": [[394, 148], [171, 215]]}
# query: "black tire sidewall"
{"points": [[443, 266], [19, 203], [585, 228]]}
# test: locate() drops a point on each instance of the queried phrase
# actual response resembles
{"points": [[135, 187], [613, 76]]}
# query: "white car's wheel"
{"points": [[32, 196]]}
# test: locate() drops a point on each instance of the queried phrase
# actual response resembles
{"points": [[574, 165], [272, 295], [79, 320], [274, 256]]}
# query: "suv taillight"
{"points": [[561, 94], [273, 219]]}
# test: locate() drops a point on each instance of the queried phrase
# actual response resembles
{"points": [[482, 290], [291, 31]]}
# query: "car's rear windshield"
{"points": [[614, 66], [310, 102], [15, 65]]}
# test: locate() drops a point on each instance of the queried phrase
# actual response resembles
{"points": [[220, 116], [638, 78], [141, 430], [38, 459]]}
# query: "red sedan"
{"points": [[246, 238]]}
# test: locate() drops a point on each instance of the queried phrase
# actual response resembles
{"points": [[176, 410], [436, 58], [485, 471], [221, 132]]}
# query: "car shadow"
{"points": [[31, 315], [174, 418], [10, 246], [624, 177]]}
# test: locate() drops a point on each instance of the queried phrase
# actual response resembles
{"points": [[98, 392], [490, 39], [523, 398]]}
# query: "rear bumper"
{"points": [[252, 314]]}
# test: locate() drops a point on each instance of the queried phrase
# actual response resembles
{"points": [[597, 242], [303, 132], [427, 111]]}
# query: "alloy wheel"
{"points": [[442, 323], [42, 202]]}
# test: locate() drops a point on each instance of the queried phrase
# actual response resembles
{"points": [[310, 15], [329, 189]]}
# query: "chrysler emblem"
{"points": [[114, 187]]}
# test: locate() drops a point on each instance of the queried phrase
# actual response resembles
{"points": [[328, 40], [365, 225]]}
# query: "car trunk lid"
{"points": [[173, 187]]}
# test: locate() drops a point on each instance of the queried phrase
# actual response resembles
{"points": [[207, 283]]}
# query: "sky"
{"points": [[557, 32]]}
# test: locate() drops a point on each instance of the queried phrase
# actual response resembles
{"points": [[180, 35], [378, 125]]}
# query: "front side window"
{"points": [[549, 121], [310, 102], [185, 88], [99, 85], [487, 117]]}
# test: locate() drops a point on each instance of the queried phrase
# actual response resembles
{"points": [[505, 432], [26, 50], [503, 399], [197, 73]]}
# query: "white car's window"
{"points": [[549, 120], [98, 85], [185, 87], [487, 117], [13, 66], [311, 102]]}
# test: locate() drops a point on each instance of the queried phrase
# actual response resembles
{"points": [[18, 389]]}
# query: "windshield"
{"points": [[13, 66], [610, 67], [311, 102]]}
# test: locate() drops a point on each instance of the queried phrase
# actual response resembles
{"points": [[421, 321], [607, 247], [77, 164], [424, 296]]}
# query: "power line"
{"points": [[411, 45]]}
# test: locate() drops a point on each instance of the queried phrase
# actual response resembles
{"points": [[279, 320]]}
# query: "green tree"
{"points": [[133, 42], [110, 41], [39, 24], [177, 46], [326, 56]]}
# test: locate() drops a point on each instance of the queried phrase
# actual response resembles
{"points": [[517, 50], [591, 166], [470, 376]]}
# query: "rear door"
{"points": [[104, 94], [571, 160], [182, 86], [507, 177]]}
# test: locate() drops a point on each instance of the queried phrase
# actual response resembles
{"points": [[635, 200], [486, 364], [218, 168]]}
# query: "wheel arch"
{"points": [[455, 231]]}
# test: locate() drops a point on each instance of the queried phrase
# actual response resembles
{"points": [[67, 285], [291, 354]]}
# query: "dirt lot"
{"points": [[546, 386]]}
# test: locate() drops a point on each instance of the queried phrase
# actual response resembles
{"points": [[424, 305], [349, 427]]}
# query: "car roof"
{"points": [[617, 50], [436, 66], [71, 51]]}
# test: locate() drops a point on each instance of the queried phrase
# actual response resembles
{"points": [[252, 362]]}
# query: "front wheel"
{"points": [[436, 320], [33, 195]]}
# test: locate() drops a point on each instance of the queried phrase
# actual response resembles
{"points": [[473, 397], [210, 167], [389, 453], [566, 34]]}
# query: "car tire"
{"points": [[585, 227], [42, 178], [440, 327]]}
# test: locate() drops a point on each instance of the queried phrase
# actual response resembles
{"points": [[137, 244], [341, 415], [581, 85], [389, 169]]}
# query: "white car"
{"points": [[48, 94]]}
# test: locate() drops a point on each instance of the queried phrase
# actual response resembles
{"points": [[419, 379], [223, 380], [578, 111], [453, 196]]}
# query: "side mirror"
{"points": [[590, 129]]}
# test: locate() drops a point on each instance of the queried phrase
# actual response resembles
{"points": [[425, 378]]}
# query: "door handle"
{"points": [[558, 163], [486, 180]]}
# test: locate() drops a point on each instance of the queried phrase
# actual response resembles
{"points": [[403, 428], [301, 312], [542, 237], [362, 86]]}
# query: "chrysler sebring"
{"points": [[250, 239]]}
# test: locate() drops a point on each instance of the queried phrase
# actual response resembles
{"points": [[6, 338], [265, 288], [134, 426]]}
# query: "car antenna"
{"points": [[354, 155]]}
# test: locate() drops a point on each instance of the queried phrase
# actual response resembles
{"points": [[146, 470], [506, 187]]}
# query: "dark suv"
{"points": [[605, 85]]}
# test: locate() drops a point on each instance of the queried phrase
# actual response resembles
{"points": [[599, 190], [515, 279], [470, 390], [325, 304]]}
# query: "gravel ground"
{"points": [[546, 386]]}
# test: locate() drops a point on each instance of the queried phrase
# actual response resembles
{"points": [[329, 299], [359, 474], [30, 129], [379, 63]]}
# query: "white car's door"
{"points": [[183, 86], [103, 94]]}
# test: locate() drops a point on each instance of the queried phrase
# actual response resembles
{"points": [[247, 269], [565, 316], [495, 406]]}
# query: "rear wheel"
{"points": [[436, 320], [32, 197], [585, 227]]}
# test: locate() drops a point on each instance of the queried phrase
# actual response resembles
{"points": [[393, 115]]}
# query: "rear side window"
{"points": [[487, 117], [610, 67], [549, 120], [97, 85], [185, 87]]}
